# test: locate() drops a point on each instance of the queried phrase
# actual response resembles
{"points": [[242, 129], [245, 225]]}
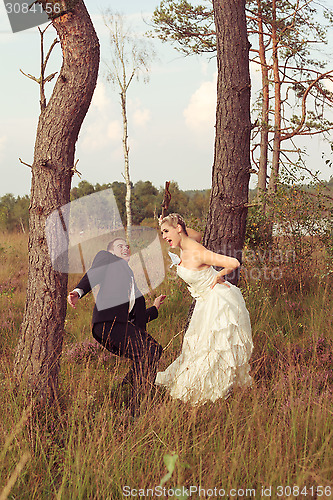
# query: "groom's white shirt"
{"points": [[131, 299]]}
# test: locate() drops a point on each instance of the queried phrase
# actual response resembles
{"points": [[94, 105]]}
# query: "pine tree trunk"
{"points": [[262, 173], [273, 180], [41, 336], [226, 225]]}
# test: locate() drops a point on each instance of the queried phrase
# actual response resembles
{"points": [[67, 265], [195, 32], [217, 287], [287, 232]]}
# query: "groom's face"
{"points": [[121, 249]]}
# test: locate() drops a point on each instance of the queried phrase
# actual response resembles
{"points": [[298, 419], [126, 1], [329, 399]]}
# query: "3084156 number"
{"points": [[310, 491], [23, 8]]}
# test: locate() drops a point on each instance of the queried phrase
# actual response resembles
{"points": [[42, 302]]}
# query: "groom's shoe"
{"points": [[122, 391], [120, 395], [128, 380]]}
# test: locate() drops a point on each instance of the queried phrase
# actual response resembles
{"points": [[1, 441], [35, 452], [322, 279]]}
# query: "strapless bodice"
{"points": [[199, 280]]}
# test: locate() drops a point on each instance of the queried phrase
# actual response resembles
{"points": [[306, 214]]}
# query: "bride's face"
{"points": [[171, 234]]}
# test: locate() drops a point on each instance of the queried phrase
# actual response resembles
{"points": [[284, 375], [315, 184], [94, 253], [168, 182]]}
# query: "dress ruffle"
{"points": [[217, 345]]}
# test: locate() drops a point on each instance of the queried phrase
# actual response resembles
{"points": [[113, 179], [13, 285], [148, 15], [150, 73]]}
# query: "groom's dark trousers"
{"points": [[119, 320]]}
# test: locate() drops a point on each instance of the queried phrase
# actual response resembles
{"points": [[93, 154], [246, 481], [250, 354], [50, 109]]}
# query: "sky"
{"points": [[171, 118]]}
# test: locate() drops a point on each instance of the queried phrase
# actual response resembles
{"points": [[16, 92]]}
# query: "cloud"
{"points": [[103, 126], [99, 133], [201, 110], [100, 99], [101, 129], [114, 130], [3, 142], [141, 117], [138, 115]]}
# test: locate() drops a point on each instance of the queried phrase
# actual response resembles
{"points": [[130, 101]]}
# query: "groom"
{"points": [[120, 316]]}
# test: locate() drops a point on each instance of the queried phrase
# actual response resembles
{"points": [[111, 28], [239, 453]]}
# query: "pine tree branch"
{"points": [[27, 164], [297, 130], [31, 77], [50, 77], [55, 41]]}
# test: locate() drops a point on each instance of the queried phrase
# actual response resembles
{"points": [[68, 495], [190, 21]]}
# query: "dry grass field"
{"points": [[273, 440]]}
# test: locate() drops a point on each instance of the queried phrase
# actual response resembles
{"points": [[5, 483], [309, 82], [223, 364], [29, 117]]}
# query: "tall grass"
{"points": [[278, 433]]}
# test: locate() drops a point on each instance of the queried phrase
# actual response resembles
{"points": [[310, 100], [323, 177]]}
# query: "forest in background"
{"points": [[145, 199]]}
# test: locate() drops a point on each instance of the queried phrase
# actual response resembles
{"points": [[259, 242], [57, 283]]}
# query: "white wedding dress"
{"points": [[217, 345]]}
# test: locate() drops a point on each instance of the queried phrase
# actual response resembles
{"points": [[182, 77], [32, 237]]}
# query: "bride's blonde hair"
{"points": [[173, 220]]}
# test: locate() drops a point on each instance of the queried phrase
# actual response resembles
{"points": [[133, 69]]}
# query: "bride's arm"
{"points": [[215, 259], [195, 235], [229, 264]]}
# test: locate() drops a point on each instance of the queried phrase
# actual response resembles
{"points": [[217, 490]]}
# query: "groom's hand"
{"points": [[159, 301], [72, 299]]}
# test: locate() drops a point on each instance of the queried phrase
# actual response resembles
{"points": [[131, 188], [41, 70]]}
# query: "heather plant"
{"points": [[85, 351], [278, 432], [292, 236], [300, 218]]}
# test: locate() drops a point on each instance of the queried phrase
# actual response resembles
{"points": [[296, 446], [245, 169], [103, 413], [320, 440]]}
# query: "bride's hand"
{"points": [[219, 280]]}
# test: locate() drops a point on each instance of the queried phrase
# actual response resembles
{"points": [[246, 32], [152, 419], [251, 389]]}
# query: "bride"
{"points": [[218, 343]]}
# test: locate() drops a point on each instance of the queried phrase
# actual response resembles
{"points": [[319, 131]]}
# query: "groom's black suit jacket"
{"points": [[115, 278]]}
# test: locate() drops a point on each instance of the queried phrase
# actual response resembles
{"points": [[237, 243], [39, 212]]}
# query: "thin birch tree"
{"points": [[130, 58]]}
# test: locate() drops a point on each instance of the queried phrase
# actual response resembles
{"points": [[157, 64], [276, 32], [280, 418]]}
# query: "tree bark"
{"points": [[262, 173], [226, 224], [272, 185], [126, 161], [41, 336]]}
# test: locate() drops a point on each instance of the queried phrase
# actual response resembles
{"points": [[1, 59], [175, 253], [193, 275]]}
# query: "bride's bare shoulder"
{"points": [[195, 245]]}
